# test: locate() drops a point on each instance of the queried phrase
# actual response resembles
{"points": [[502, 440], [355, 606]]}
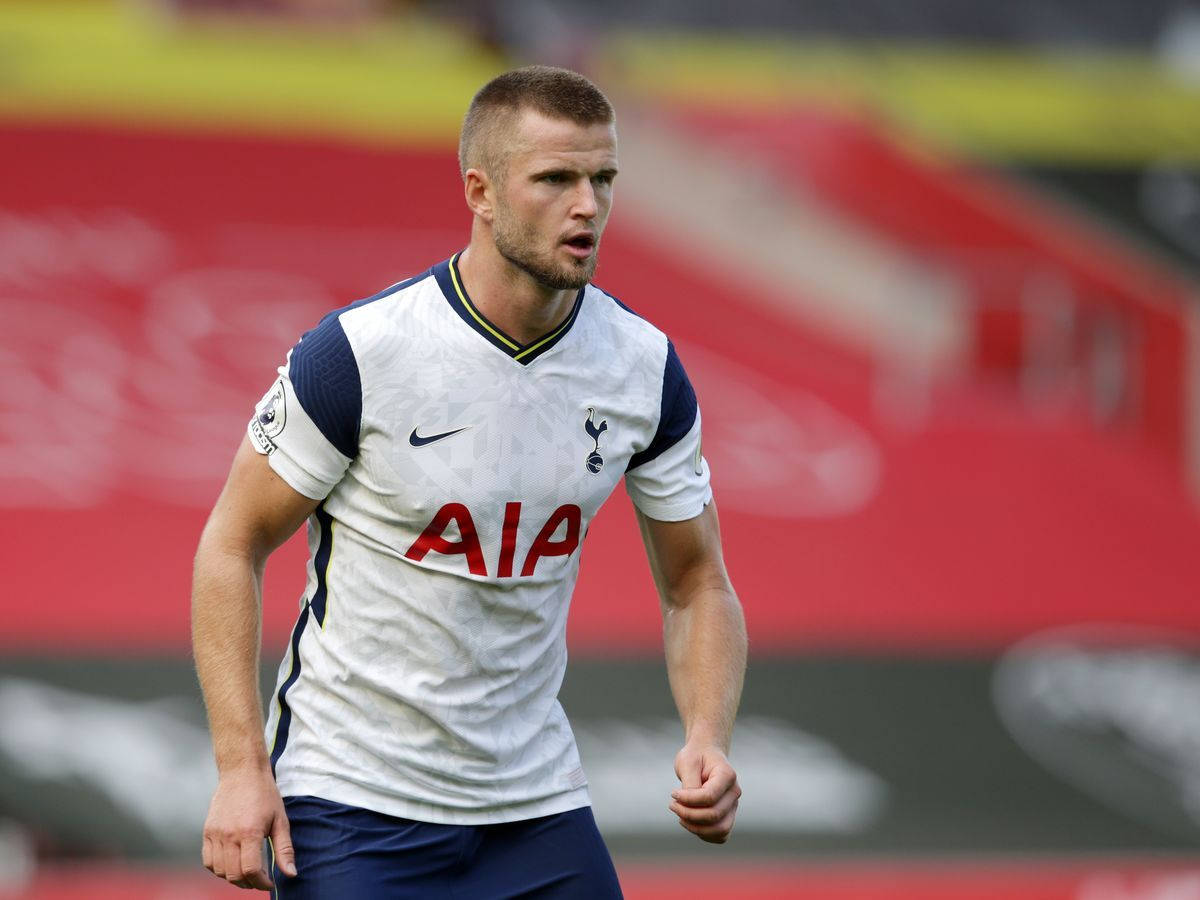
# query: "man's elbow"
{"points": [[221, 545], [709, 586]]}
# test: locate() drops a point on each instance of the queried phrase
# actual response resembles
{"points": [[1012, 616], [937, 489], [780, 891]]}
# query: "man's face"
{"points": [[553, 203]]}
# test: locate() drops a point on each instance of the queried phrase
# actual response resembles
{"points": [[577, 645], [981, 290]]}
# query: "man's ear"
{"points": [[480, 193]]}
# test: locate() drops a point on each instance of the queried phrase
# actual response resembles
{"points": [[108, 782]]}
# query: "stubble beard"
{"points": [[517, 246]]}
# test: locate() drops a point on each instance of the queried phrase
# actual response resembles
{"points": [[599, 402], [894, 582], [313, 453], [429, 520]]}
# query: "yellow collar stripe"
{"points": [[561, 328], [462, 296]]}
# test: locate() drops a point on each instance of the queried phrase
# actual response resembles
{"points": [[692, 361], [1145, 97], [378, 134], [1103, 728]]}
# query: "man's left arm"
{"points": [[704, 634]]}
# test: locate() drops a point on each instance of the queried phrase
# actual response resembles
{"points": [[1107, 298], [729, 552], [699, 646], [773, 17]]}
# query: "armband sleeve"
{"points": [[308, 423]]}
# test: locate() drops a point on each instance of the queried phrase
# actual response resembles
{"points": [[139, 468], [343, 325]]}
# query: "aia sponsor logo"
{"points": [[1115, 711], [438, 537]]}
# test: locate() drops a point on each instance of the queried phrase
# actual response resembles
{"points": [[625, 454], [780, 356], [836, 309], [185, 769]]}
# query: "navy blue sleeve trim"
{"points": [[678, 411], [325, 376]]}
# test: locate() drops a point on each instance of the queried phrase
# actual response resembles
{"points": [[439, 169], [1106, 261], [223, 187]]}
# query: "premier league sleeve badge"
{"points": [[270, 417]]}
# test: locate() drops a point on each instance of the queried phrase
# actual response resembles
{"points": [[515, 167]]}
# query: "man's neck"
{"points": [[508, 296]]}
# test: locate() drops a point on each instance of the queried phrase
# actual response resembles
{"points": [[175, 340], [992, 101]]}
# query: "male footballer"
{"points": [[448, 440]]}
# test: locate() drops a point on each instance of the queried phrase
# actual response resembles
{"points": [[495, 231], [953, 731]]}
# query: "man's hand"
{"points": [[245, 809], [707, 797]]}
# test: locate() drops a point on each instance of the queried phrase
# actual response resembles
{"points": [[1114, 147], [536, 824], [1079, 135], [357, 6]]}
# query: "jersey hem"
{"points": [[337, 791]]}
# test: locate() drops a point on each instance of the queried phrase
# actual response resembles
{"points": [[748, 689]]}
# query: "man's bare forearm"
{"points": [[226, 634], [705, 640], [705, 637], [255, 513]]}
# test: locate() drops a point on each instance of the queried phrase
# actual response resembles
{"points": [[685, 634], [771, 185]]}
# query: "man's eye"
{"points": [[553, 178], [602, 179]]}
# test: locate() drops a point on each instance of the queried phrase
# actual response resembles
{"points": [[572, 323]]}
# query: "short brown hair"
{"points": [[557, 93]]}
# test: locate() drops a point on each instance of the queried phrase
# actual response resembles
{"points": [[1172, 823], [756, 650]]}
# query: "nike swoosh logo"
{"points": [[417, 441]]}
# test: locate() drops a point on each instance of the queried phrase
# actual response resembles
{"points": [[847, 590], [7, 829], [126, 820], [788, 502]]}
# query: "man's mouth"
{"points": [[581, 245]]}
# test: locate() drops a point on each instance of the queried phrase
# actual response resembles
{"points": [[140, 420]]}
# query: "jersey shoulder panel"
{"points": [[677, 412], [678, 406], [325, 378], [326, 375], [381, 312], [628, 322]]}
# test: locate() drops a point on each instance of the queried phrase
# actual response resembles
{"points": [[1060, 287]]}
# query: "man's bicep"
{"points": [[257, 510], [684, 556]]}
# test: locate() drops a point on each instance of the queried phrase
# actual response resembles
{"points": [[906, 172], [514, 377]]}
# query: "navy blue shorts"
{"points": [[343, 852]]}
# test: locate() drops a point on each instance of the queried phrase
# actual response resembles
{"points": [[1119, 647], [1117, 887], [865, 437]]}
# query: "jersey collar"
{"points": [[451, 283]]}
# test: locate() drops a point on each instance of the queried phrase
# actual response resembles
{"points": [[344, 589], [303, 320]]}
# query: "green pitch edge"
{"points": [[407, 80], [1070, 107]]}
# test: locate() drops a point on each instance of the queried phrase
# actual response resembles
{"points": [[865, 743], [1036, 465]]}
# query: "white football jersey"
{"points": [[458, 471]]}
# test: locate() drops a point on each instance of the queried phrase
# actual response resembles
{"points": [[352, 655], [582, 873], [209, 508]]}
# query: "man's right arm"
{"points": [[255, 513]]}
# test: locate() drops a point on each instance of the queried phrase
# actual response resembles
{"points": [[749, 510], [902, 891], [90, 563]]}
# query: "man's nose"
{"points": [[586, 206]]}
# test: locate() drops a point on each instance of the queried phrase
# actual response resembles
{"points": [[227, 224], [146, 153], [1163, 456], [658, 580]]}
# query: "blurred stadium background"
{"points": [[934, 269]]}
